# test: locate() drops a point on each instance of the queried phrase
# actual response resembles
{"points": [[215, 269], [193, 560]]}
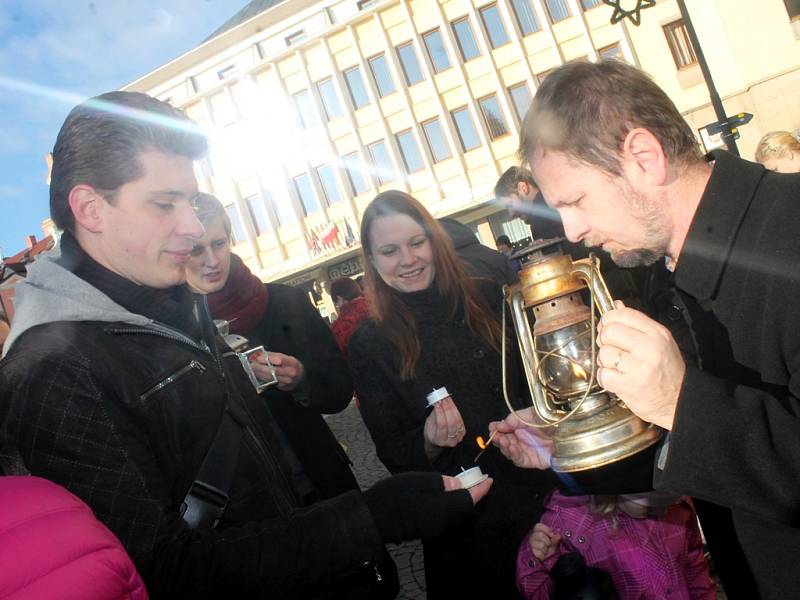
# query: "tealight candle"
{"points": [[437, 395], [471, 477]]}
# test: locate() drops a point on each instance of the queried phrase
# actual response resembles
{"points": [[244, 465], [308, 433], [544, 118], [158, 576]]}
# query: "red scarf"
{"points": [[242, 301]]}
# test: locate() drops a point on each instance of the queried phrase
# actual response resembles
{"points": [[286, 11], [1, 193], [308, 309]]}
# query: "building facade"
{"points": [[313, 107]]}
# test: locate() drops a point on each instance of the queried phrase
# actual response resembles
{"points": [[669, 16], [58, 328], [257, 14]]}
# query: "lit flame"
{"points": [[480, 442], [579, 371]]}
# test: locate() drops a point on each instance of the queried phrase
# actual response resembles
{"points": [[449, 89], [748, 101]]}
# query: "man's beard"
{"points": [[650, 213], [640, 257]]}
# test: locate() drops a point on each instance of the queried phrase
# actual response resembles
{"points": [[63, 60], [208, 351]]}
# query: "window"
{"points": [[494, 26], [355, 173], [306, 113], [466, 39], [258, 214], [437, 142], [493, 117], [409, 151], [540, 77], [302, 184], [237, 225], [611, 52], [227, 72], [294, 38], [409, 62], [330, 101], [355, 85], [362, 4], [520, 98], [679, 44], [525, 16], [438, 55], [327, 178], [587, 4], [222, 109], [557, 9], [384, 170], [467, 134], [284, 211], [381, 75]]}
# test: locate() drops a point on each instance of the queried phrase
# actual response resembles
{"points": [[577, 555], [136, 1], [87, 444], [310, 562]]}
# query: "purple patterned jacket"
{"points": [[647, 558]]}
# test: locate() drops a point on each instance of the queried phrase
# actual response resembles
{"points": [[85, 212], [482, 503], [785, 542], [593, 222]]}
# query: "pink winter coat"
{"points": [[52, 546], [647, 558]]}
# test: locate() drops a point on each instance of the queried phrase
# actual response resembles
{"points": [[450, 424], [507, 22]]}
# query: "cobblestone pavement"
{"points": [[349, 429]]}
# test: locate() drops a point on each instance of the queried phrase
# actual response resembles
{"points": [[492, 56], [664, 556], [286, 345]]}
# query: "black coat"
{"points": [[477, 557], [292, 326], [735, 442], [122, 415], [479, 260]]}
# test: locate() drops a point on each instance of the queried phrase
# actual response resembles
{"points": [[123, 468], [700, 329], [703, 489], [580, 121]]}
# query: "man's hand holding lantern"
{"points": [[639, 361], [526, 447]]}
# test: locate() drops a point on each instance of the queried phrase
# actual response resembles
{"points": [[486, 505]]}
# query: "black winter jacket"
{"points": [[121, 411], [735, 441]]}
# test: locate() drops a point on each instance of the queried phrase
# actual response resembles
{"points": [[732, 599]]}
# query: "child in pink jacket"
{"points": [[648, 543]]}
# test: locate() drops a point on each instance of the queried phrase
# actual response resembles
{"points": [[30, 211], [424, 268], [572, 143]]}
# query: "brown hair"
{"points": [[208, 207], [586, 110], [101, 141], [776, 144], [345, 288], [394, 320]]}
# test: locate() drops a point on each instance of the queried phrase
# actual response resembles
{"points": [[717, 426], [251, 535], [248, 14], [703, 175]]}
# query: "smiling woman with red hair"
{"points": [[433, 326]]}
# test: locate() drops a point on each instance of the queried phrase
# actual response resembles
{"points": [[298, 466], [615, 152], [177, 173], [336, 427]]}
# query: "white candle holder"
{"points": [[437, 395], [471, 477]]}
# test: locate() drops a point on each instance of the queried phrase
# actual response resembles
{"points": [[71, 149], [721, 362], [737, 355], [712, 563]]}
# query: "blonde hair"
{"points": [[776, 144]]}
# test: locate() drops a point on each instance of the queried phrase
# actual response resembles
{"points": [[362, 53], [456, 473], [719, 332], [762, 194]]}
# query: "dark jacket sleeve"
{"points": [[729, 443], [301, 332], [55, 419], [396, 432]]}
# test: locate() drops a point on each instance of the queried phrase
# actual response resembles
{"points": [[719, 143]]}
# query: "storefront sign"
{"points": [[348, 268]]}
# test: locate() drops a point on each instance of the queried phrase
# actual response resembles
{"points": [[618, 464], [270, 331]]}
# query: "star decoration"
{"points": [[633, 14]]}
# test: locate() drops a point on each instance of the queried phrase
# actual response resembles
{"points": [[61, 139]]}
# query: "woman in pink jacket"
{"points": [[52, 546], [649, 544]]}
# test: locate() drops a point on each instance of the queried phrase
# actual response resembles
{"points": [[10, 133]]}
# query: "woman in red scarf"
{"points": [[312, 376]]}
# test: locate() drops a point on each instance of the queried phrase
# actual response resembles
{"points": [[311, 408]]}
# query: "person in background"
{"points": [[636, 183], [503, 244], [115, 384], [352, 309], [478, 260], [779, 151], [433, 326], [312, 375], [648, 543]]}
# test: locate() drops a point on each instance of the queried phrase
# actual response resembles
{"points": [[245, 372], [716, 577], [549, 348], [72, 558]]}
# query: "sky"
{"points": [[56, 53]]}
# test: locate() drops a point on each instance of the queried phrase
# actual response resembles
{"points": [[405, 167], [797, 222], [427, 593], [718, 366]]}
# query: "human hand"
{"points": [[640, 362], [477, 492], [420, 505], [543, 541], [444, 427], [288, 369], [526, 447]]}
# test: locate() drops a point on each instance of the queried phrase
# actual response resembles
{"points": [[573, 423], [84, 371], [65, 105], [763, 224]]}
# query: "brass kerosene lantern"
{"points": [[556, 333]]}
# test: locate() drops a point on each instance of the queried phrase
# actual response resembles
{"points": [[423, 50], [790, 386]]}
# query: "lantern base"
{"points": [[604, 437]]}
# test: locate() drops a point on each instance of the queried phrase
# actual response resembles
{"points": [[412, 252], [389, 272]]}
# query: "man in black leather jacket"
{"points": [[114, 385]]}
